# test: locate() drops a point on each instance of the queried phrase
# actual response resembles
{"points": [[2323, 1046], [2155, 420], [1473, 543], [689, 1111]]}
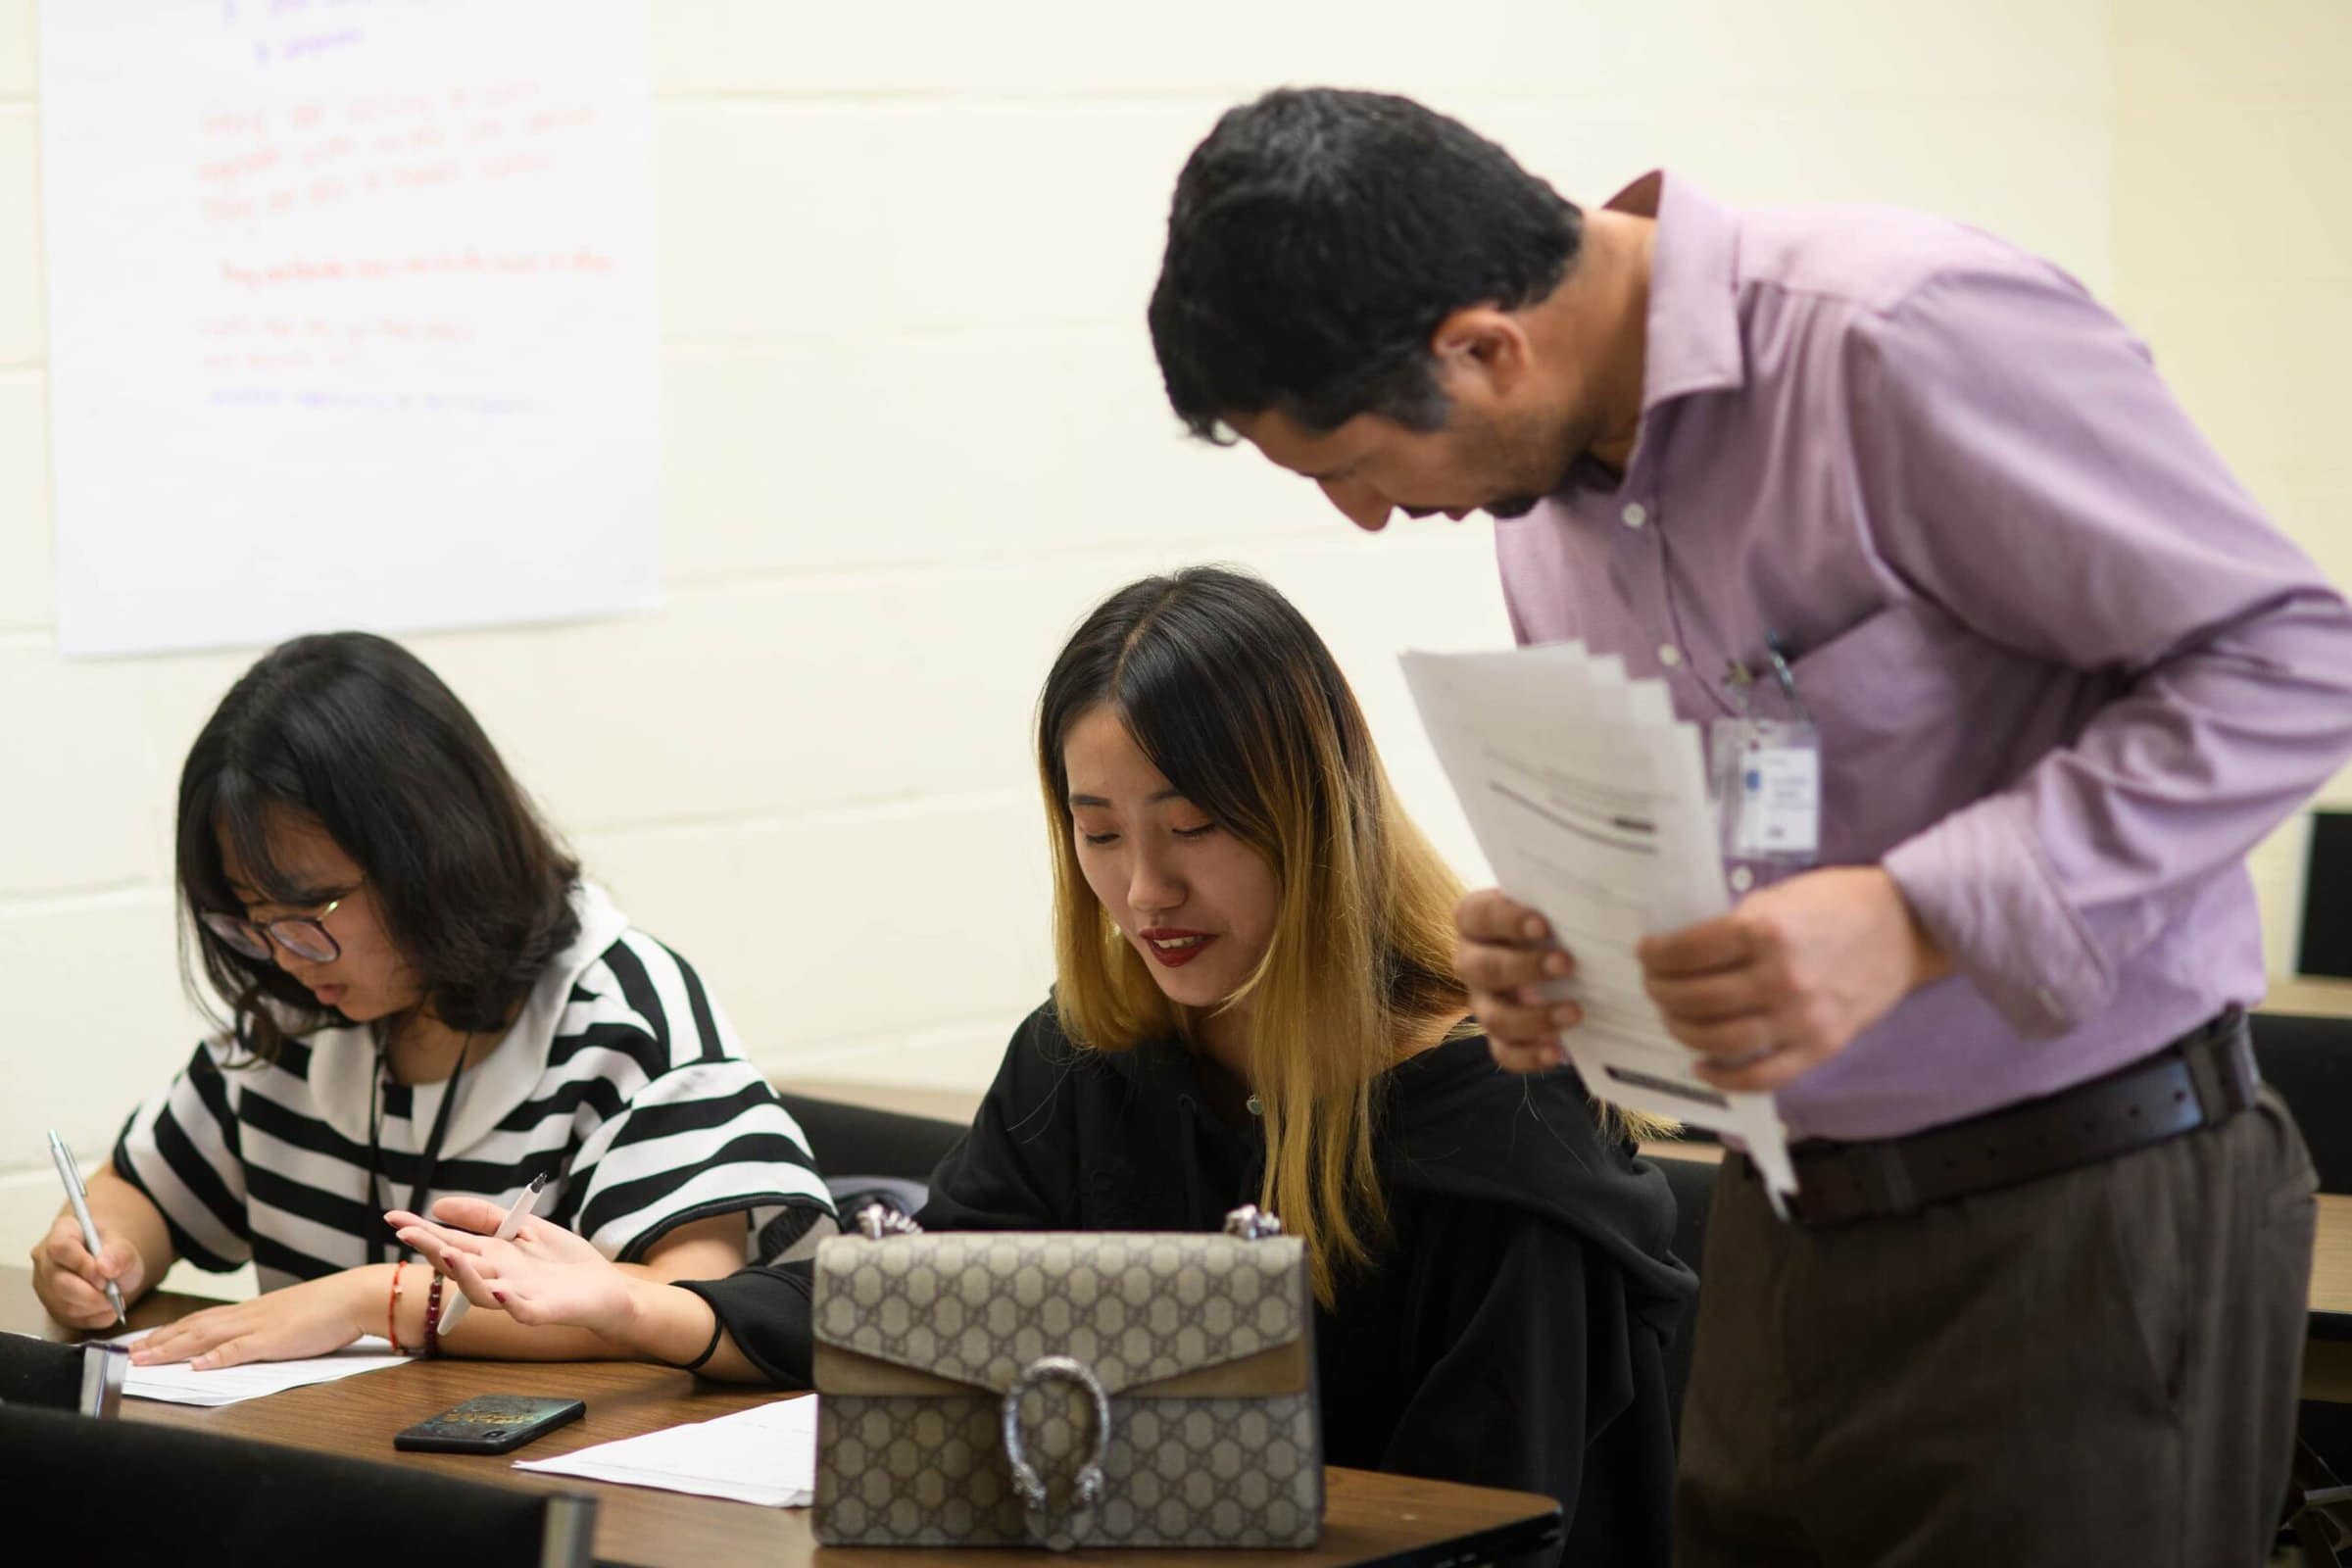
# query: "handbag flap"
{"points": [[975, 1308]]}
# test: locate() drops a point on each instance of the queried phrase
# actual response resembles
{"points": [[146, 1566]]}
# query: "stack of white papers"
{"points": [[766, 1454], [181, 1383], [1590, 800]]}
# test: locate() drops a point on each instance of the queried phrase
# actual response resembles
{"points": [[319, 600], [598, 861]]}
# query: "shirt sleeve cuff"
{"points": [[766, 1310], [1981, 885]]}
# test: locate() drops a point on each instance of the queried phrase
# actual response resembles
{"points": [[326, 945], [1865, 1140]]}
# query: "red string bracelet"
{"points": [[392, 1309]]}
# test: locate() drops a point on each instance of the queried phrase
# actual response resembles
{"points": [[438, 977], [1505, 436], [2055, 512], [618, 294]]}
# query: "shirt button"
{"points": [[1742, 879], [1635, 514], [1669, 655]]}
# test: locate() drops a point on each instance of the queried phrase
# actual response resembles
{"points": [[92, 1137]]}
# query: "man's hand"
{"points": [[1785, 980], [1505, 955]]}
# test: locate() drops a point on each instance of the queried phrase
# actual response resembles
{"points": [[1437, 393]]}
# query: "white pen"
{"points": [[78, 1195], [451, 1312]]}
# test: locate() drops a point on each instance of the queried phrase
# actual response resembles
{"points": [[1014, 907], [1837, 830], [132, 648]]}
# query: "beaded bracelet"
{"points": [[433, 1319]]}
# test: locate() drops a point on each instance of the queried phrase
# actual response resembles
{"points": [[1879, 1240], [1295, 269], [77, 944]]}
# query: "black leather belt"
{"points": [[2201, 1080]]}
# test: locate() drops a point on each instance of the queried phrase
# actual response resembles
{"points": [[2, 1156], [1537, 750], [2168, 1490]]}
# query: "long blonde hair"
{"points": [[1230, 693]]}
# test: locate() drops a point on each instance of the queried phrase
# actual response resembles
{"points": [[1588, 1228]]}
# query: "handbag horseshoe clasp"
{"points": [[1026, 1482]]}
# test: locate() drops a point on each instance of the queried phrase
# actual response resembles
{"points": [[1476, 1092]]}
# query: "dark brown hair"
{"points": [[353, 732], [1317, 239]]}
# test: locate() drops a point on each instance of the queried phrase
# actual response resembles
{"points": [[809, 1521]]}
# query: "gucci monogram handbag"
{"points": [[1067, 1390]]}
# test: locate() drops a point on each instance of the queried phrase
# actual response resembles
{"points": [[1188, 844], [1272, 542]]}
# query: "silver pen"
{"points": [[79, 1196], [453, 1311]]}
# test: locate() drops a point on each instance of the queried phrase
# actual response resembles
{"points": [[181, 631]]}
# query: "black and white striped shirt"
{"points": [[620, 1079]]}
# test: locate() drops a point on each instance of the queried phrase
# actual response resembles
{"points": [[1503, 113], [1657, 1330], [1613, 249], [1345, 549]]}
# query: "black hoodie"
{"points": [[1512, 1334]]}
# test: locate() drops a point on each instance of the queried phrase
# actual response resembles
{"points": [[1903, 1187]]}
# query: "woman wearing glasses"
{"points": [[419, 995]]}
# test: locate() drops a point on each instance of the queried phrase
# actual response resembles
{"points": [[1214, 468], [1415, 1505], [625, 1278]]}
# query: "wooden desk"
{"points": [[1393, 1521], [2328, 1357], [2309, 996]]}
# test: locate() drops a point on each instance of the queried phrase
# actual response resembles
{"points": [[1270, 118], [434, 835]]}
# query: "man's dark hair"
{"points": [[1317, 239], [353, 732]]}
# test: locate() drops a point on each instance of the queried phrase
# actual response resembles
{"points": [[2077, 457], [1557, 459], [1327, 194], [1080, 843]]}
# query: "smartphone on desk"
{"points": [[494, 1423]]}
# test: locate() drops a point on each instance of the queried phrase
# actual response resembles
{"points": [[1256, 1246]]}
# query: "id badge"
{"points": [[1768, 788]]}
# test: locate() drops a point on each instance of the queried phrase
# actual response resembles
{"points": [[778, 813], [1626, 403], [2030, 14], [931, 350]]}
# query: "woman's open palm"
{"points": [[545, 1274]]}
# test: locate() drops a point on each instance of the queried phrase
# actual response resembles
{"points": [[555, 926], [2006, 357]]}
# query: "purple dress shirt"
{"points": [[2065, 673]]}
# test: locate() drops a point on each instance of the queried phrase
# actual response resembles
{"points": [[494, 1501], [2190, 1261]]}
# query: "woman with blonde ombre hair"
{"points": [[1255, 1004], [1354, 974]]}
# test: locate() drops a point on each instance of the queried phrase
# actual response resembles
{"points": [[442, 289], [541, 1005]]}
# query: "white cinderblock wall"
{"points": [[912, 431], [2233, 258]]}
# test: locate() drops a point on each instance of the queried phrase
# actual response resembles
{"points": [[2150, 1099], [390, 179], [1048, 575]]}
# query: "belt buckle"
{"points": [[2221, 1069]]}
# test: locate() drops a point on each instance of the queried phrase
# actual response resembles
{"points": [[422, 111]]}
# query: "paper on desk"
{"points": [[766, 1454], [1590, 800], [181, 1383]]}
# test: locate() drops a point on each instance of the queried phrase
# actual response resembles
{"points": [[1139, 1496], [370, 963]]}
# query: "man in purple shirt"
{"points": [[2042, 1297]]}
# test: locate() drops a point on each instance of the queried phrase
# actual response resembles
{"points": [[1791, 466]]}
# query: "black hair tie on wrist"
{"points": [[709, 1350]]}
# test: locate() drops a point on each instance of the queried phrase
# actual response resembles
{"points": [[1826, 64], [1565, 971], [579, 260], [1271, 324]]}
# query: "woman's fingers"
{"points": [[458, 1265], [119, 1260], [234, 1352], [76, 1302], [476, 1214], [538, 1231], [482, 1288], [408, 1225], [192, 1335], [71, 1283]]}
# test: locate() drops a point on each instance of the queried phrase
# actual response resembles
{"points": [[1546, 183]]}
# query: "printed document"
{"points": [[766, 1454], [1589, 801], [181, 1384]]}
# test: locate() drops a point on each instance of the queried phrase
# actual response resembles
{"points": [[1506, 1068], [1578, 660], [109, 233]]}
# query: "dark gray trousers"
{"points": [[2096, 1367]]}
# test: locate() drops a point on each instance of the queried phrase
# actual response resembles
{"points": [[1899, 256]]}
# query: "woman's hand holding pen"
{"points": [[317, 1317], [71, 1283], [545, 1274]]}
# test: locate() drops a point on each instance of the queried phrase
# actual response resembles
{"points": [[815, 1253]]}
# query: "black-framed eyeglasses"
{"points": [[304, 936]]}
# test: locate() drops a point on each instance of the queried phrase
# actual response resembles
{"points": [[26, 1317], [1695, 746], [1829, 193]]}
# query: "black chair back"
{"points": [[143, 1494], [2309, 1062], [851, 1140], [86, 1379]]}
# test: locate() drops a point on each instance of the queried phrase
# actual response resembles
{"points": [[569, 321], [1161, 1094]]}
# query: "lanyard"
{"points": [[1738, 674], [427, 1162]]}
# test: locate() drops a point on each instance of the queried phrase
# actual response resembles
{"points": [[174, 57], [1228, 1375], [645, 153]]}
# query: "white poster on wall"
{"points": [[352, 317]]}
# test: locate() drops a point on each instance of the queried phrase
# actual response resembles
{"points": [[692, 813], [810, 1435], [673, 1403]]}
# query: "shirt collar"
{"points": [[1694, 323], [343, 1061]]}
